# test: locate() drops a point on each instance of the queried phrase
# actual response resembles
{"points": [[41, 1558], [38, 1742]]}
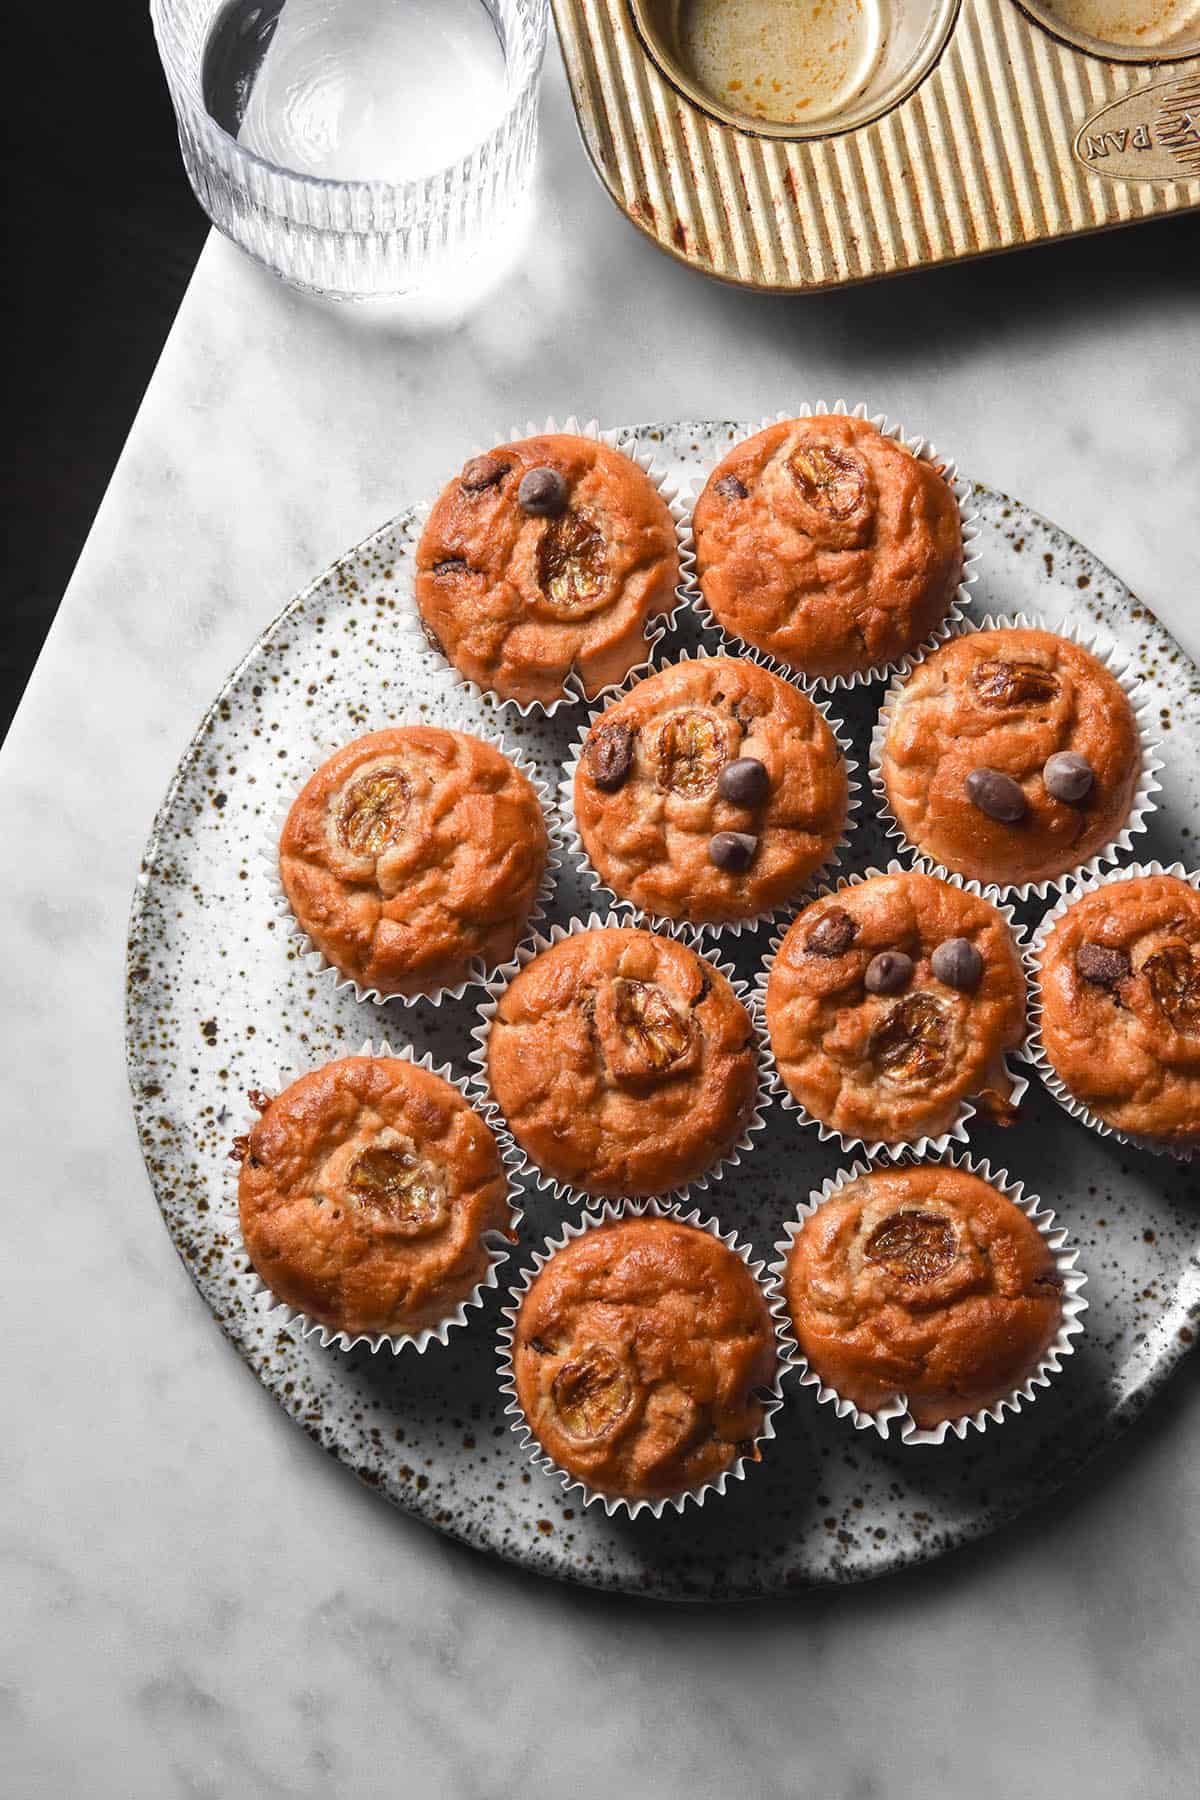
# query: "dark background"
{"points": [[101, 246]]}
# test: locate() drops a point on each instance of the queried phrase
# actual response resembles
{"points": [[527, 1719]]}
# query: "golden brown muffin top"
{"points": [[624, 1064], [365, 1190], [1006, 702], [926, 1282], [827, 544], [410, 853], [638, 1354], [892, 1001], [663, 784], [518, 599], [1120, 981]]}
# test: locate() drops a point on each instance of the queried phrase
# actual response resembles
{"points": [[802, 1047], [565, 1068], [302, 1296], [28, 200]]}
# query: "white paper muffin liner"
{"points": [[772, 1396], [485, 1100], [1079, 630], [968, 516], [686, 928], [318, 964], [1035, 1049], [1073, 1305], [500, 1246], [657, 625], [902, 1148]]}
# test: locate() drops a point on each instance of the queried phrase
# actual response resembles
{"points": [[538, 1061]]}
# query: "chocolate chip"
{"points": [[730, 488], [1068, 777], [744, 781], [832, 935], [958, 963], [610, 756], [452, 565], [482, 472], [888, 972], [1100, 965], [997, 795], [543, 493], [732, 850]]}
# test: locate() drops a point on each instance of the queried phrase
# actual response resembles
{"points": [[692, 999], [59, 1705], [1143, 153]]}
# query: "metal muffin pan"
{"points": [[792, 147], [218, 995]]}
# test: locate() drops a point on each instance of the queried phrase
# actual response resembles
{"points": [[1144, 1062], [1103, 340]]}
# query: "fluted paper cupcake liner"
{"points": [[657, 625], [968, 516], [1073, 1305], [879, 1149], [1079, 630], [1035, 1049], [773, 1396], [487, 1103], [480, 973], [499, 1245], [686, 928]]}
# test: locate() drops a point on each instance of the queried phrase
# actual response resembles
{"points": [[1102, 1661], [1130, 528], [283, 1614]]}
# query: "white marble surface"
{"points": [[196, 1601]]}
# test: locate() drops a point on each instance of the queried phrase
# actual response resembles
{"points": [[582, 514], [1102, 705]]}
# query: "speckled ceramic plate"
{"points": [[217, 995]]}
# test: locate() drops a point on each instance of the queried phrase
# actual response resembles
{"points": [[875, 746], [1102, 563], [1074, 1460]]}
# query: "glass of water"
{"points": [[356, 147]]}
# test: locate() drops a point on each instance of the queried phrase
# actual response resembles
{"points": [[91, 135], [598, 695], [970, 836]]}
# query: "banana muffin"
{"points": [[923, 1283], [1120, 986], [545, 558], [410, 854], [828, 545], [710, 792], [891, 1002], [623, 1063], [638, 1356], [364, 1193], [1012, 755]]}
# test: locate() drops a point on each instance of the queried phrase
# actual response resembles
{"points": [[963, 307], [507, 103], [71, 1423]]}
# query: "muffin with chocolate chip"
{"points": [[926, 1285], [623, 1062], [1011, 755], [827, 544], [365, 1191], [546, 558], [891, 1002], [412, 855], [711, 792], [639, 1354], [1119, 974]]}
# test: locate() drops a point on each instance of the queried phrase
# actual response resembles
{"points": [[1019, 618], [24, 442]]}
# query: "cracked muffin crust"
{"points": [[892, 1001], [623, 1062], [924, 1282], [412, 852], [1120, 987], [544, 557], [1026, 706], [664, 783], [364, 1193], [638, 1356], [828, 545]]}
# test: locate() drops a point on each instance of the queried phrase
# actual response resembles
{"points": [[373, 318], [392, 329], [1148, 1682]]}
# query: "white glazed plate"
{"points": [[217, 994]]}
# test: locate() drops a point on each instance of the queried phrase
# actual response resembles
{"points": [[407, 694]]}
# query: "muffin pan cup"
{"points": [[903, 1149], [1079, 631], [480, 973], [499, 1245], [523, 1164], [699, 930], [772, 1396], [896, 1410], [1035, 1049], [657, 624], [968, 517]]}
